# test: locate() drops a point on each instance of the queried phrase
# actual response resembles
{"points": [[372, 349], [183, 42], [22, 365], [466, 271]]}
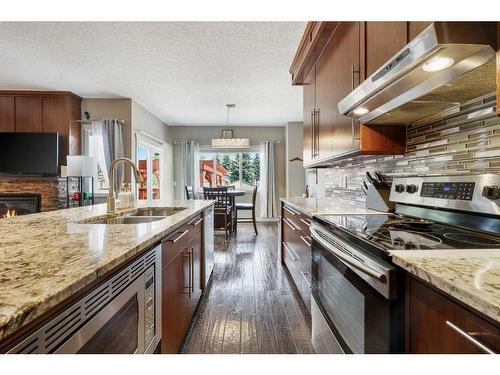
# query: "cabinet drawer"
{"points": [[297, 219], [293, 263], [173, 244], [437, 324]]}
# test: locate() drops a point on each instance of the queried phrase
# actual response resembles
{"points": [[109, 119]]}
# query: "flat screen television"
{"points": [[29, 154]]}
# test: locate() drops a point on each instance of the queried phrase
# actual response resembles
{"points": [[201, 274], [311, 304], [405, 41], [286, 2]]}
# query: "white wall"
{"points": [[295, 173], [148, 127]]}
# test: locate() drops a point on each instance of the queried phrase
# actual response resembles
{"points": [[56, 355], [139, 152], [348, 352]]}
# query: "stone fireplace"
{"points": [[49, 189], [15, 204]]}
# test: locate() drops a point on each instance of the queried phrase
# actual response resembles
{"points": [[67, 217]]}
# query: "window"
{"points": [[149, 165], [95, 148], [239, 169]]}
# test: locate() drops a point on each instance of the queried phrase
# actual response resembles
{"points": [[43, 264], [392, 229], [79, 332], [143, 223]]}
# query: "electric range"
{"points": [[352, 269]]}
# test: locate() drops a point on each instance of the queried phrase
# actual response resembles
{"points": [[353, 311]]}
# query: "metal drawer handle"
{"points": [[289, 251], [305, 278], [196, 223], [178, 237], [469, 337], [289, 224], [290, 211], [347, 259], [306, 242], [308, 223]]}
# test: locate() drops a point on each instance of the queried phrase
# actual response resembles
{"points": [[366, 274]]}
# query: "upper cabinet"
{"points": [[382, 41], [44, 111], [343, 56], [28, 111], [415, 28]]}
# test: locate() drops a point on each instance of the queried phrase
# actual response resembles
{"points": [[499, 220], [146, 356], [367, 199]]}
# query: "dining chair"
{"points": [[247, 207], [189, 192], [223, 211]]}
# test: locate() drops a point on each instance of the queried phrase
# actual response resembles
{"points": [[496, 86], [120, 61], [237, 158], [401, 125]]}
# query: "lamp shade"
{"points": [[80, 166]]}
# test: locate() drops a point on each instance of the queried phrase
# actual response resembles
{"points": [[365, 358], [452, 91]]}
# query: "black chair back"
{"points": [[219, 194], [254, 194], [189, 192]]}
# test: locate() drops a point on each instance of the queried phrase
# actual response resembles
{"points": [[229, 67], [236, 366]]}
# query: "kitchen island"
{"points": [[47, 258]]}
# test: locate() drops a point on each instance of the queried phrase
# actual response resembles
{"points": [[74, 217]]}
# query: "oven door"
{"points": [[355, 308]]}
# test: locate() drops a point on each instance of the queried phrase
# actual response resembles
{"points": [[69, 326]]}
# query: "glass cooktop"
{"points": [[393, 232]]}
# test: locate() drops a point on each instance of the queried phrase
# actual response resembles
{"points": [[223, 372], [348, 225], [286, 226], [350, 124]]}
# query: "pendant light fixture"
{"points": [[226, 140]]}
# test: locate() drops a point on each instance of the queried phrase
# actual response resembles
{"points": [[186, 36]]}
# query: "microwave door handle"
{"points": [[347, 260]]}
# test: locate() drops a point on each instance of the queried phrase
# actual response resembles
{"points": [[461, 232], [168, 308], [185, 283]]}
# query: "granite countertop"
{"points": [[47, 257], [327, 206], [471, 276]]}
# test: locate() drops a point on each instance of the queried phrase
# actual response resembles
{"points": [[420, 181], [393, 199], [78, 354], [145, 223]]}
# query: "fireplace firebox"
{"points": [[15, 204]]}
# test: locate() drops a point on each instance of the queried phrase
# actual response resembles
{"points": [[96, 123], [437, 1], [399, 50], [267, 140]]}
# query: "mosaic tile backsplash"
{"points": [[464, 142]]}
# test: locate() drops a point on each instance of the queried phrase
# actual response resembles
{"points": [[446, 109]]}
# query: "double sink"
{"points": [[138, 216]]}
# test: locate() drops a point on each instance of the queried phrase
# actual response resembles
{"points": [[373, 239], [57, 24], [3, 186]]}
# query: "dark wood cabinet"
{"points": [[309, 107], [382, 41], [175, 301], [181, 283], [7, 118], [349, 55], [44, 111], [296, 250], [416, 27], [438, 324], [28, 110]]}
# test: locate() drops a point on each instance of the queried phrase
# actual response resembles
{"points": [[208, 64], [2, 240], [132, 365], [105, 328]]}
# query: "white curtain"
{"points": [[190, 165], [268, 186]]}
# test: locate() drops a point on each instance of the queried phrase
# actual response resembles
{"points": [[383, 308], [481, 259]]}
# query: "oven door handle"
{"points": [[346, 259]]}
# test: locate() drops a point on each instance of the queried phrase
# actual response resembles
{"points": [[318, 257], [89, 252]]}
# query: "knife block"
{"points": [[377, 198]]}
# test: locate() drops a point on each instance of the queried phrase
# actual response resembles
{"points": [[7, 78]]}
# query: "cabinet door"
{"points": [[28, 114], [309, 101], [415, 28], [7, 114], [338, 72], [175, 302], [383, 40], [55, 119], [436, 324]]}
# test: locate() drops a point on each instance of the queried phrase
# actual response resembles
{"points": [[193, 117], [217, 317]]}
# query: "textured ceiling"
{"points": [[183, 72]]}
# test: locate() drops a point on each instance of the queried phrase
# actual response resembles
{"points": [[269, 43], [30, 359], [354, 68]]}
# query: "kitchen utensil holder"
{"points": [[377, 198]]}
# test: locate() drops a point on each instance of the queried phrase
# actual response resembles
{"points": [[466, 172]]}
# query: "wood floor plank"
{"points": [[250, 307], [249, 340]]}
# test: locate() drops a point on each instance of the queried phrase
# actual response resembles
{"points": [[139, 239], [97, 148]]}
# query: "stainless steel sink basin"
{"points": [[137, 216], [158, 211], [127, 220]]}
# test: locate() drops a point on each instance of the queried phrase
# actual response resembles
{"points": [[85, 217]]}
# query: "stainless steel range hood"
{"points": [[446, 65]]}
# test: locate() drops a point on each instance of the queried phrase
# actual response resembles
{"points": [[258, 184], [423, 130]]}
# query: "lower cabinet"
{"points": [[181, 283], [436, 324], [296, 251]]}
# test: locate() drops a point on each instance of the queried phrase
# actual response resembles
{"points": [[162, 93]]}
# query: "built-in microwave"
{"points": [[120, 316]]}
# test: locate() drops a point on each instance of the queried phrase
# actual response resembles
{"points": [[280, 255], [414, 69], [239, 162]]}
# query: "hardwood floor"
{"points": [[250, 306]]}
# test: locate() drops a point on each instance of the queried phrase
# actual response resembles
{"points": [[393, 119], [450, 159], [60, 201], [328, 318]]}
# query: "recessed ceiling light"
{"points": [[438, 63], [360, 111]]}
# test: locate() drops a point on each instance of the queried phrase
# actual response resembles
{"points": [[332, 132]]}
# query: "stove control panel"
{"points": [[468, 193], [448, 190]]}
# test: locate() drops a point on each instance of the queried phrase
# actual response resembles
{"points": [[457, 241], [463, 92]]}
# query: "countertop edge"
{"points": [[465, 297]]}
